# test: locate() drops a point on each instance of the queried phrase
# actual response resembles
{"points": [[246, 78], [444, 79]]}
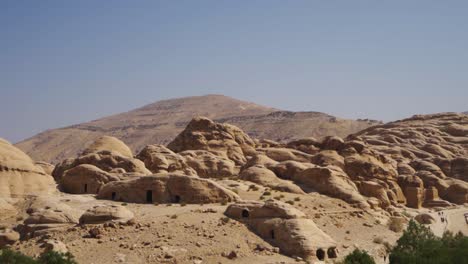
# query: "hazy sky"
{"points": [[65, 62]]}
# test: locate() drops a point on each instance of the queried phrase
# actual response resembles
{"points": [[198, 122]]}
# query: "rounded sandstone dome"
{"points": [[108, 143]]}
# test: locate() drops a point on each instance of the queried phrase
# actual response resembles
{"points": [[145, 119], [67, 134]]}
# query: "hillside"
{"points": [[161, 121]]}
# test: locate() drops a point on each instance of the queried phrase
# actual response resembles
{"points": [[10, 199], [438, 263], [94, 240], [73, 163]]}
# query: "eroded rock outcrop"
{"points": [[167, 188], [208, 165], [159, 159], [285, 227], [204, 134], [19, 176], [106, 213], [108, 154]]}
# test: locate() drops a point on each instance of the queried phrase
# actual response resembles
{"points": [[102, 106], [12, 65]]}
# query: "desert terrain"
{"points": [[214, 193]]}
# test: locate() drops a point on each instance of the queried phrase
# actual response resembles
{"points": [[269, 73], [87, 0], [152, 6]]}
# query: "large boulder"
{"points": [[159, 159], [106, 213], [167, 188], [285, 227], [204, 134]]}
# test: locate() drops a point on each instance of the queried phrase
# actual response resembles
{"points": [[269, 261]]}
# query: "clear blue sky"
{"points": [[65, 62]]}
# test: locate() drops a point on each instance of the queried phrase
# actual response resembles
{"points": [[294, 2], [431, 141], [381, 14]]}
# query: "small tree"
{"points": [[359, 257], [419, 245], [8, 256]]}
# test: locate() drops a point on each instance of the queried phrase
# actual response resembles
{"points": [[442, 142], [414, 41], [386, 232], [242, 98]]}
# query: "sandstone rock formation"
{"points": [[428, 153], [159, 159], [285, 227], [208, 165], [106, 213], [106, 158], [266, 177], [19, 176], [204, 134], [166, 188], [85, 178]]}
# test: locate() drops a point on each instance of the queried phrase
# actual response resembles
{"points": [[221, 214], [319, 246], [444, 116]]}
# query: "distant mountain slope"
{"points": [[160, 122]]}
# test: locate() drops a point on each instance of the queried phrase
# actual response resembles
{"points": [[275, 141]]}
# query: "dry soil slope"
{"points": [[161, 121]]}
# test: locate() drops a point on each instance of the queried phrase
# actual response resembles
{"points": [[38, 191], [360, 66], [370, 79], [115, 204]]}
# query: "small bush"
{"points": [[359, 257], [174, 216], [297, 199], [8, 256], [224, 202], [291, 202], [378, 240], [183, 204], [53, 257], [266, 193], [124, 204]]}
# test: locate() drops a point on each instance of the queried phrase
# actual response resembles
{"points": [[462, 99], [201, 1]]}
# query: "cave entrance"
{"points": [[245, 213], [272, 234], [114, 194], [177, 199], [320, 254], [86, 188], [331, 252], [149, 196]]}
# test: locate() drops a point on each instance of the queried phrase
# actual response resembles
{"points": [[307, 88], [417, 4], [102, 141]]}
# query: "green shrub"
{"points": [[8, 256], [419, 245], [52, 257], [359, 257]]}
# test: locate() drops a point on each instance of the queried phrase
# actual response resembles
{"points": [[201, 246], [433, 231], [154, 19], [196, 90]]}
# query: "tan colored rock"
{"points": [[376, 190], [101, 155], [285, 227], [55, 245], [106, 213], [457, 191], [284, 154], [167, 188], [331, 181], [85, 178], [107, 143], [159, 159], [290, 169], [47, 167], [306, 145], [8, 237], [208, 165], [332, 143], [369, 167], [265, 177], [329, 157], [425, 219], [203, 134], [19, 176]]}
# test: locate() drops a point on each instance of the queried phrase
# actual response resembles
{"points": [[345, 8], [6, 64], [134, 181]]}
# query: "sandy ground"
{"points": [[199, 233]]}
